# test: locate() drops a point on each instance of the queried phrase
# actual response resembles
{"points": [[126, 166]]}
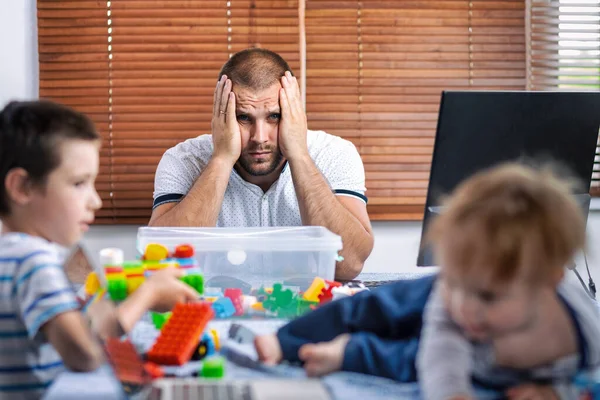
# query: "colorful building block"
{"points": [[117, 288], [213, 367], [194, 280], [134, 272], [223, 307], [279, 298], [159, 319], [208, 346], [155, 252], [312, 293], [236, 297], [128, 366], [181, 334], [92, 284], [184, 251]]}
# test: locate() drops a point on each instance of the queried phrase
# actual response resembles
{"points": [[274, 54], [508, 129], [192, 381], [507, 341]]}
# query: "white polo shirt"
{"points": [[245, 204]]}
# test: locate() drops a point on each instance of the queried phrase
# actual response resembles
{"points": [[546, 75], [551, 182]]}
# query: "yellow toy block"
{"points": [[92, 284], [156, 266], [215, 336], [313, 292], [155, 252], [210, 299], [134, 283], [258, 307]]}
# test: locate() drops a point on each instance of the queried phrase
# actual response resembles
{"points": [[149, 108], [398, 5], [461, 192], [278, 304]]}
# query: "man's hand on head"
{"points": [[226, 136], [292, 127]]}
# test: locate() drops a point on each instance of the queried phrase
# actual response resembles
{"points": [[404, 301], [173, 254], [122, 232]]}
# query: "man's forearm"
{"points": [[319, 206], [202, 205]]}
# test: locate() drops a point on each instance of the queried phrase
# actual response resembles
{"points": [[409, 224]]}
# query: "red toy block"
{"points": [[326, 295], [154, 370], [184, 251], [113, 270], [127, 363], [180, 334], [237, 299]]}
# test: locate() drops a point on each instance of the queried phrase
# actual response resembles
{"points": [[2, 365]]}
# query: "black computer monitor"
{"points": [[478, 129]]}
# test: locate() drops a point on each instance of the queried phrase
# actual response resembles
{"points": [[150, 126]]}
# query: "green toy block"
{"points": [[213, 367], [117, 288], [304, 306], [196, 281], [159, 319], [279, 299], [132, 264]]}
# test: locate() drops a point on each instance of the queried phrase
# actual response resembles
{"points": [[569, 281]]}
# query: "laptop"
{"points": [[479, 129], [259, 389], [129, 367]]}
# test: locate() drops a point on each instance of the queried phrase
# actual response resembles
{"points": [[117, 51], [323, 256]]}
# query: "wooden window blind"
{"points": [[375, 71], [145, 71], [563, 51]]}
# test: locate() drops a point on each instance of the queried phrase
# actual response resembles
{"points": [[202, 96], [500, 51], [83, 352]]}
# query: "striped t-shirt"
{"points": [[33, 290]]}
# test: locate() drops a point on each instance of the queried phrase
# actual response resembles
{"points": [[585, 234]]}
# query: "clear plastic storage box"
{"points": [[250, 258]]}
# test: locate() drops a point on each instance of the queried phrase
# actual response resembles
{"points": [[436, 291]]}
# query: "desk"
{"points": [[344, 385]]}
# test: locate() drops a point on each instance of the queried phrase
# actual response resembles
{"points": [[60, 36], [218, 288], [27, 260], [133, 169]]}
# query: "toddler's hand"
{"points": [[325, 357], [268, 349], [166, 290]]}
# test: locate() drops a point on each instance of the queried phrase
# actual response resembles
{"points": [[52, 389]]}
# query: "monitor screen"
{"points": [[478, 129]]}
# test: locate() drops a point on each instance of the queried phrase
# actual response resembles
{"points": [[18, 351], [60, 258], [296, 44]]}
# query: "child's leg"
{"points": [[392, 311]]}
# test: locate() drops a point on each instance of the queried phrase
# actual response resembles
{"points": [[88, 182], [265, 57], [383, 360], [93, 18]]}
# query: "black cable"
{"points": [[591, 283], [583, 284]]}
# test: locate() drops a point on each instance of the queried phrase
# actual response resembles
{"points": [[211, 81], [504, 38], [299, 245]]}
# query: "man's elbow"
{"points": [[353, 265]]}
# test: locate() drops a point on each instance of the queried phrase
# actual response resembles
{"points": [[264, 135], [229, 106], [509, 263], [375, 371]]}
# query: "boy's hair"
{"points": [[255, 68], [30, 136], [513, 221]]}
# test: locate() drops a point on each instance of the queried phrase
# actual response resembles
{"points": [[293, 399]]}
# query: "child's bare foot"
{"points": [[268, 349], [324, 358]]}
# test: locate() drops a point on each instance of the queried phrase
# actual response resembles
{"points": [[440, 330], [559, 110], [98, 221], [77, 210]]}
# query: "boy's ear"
{"points": [[18, 186]]}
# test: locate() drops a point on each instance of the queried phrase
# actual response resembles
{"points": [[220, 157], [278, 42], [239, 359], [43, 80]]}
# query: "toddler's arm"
{"points": [[444, 358], [393, 311], [390, 358]]}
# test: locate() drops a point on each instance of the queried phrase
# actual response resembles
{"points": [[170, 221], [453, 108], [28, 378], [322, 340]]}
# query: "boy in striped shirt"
{"points": [[48, 165]]}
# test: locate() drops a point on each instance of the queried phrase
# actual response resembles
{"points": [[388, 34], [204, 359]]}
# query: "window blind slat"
{"points": [[564, 50], [375, 69]]}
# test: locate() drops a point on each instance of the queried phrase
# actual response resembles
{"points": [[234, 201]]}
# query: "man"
{"points": [[262, 167]]}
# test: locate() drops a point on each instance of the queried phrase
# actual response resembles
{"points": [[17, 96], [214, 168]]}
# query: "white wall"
{"points": [[18, 50], [396, 243]]}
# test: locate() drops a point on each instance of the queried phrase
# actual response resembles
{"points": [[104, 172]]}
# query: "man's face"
{"points": [[258, 115]]}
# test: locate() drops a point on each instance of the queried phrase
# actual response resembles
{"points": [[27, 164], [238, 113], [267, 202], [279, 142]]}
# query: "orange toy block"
{"points": [[180, 334], [313, 292], [126, 362]]}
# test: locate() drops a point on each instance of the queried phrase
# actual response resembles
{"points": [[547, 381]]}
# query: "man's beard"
{"points": [[264, 168]]}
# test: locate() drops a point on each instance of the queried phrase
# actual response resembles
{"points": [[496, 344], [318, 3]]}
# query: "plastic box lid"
{"points": [[297, 238]]}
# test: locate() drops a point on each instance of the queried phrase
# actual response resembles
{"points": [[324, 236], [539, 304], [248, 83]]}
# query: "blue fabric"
{"points": [[385, 324]]}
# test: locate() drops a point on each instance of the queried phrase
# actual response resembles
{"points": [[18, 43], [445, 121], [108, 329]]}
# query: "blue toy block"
{"points": [[223, 307]]}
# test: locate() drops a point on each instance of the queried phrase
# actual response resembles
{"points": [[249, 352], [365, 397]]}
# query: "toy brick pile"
{"points": [[119, 279], [183, 332]]}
